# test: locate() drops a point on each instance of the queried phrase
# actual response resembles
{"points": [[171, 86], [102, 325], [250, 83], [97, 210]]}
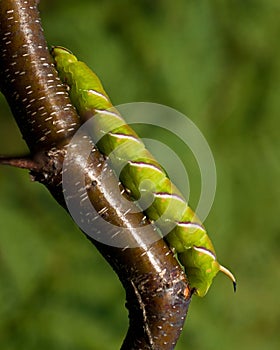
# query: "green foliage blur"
{"points": [[218, 63]]}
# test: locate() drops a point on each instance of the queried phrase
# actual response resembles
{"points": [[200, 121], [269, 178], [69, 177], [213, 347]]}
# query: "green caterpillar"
{"points": [[187, 237]]}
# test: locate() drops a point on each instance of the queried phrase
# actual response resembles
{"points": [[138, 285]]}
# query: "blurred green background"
{"points": [[218, 63]]}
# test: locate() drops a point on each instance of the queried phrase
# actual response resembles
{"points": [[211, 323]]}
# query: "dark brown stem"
{"points": [[28, 76], [156, 288], [20, 162]]}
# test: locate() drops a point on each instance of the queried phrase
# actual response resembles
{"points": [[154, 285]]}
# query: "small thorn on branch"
{"points": [[23, 162]]}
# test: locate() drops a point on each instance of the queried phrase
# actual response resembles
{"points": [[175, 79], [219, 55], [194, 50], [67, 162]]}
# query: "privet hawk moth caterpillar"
{"points": [[187, 238]]}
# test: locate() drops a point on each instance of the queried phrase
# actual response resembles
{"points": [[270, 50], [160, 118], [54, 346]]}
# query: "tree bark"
{"points": [[157, 291]]}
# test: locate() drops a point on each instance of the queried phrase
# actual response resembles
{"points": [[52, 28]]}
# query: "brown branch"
{"points": [[19, 162], [156, 288]]}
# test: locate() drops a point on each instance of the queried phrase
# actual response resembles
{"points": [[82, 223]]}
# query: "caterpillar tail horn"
{"points": [[230, 275]]}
